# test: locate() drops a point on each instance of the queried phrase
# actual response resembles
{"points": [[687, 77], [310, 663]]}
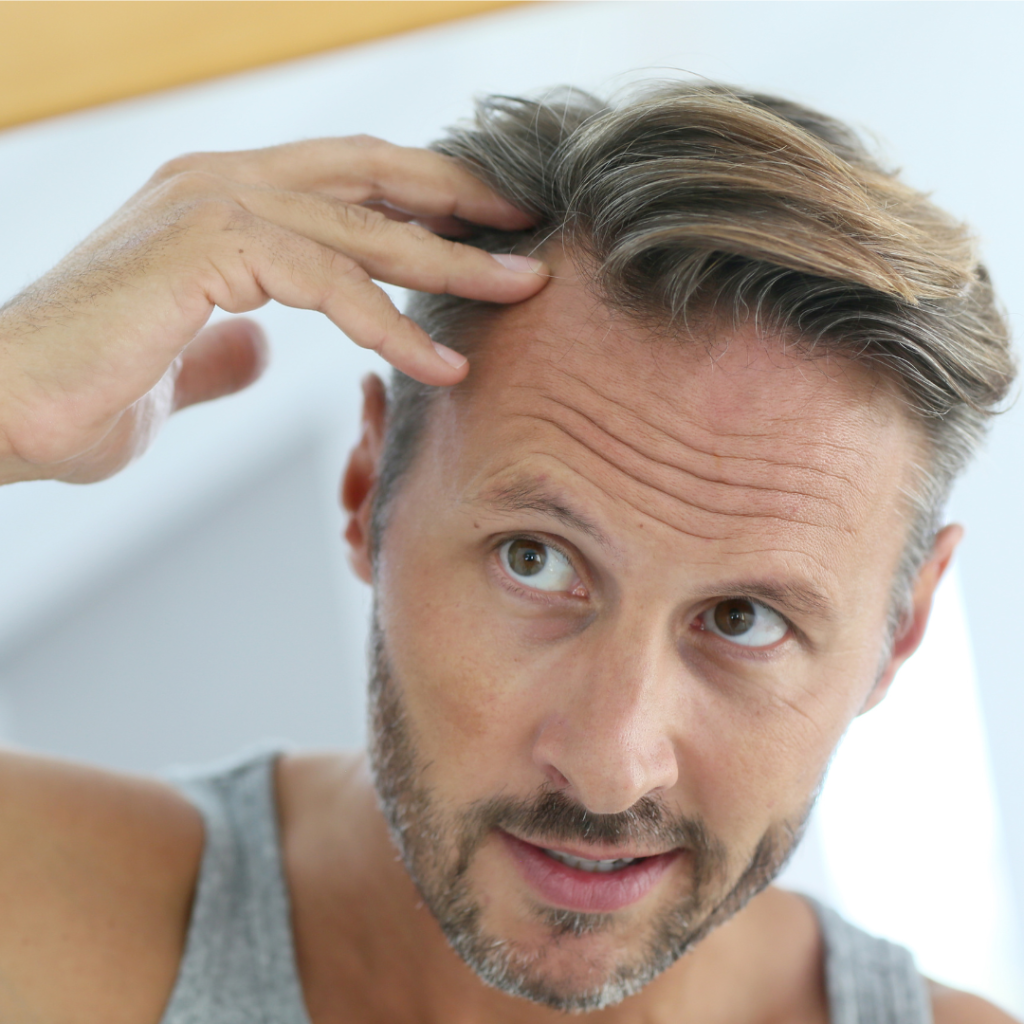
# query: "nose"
{"points": [[607, 739]]}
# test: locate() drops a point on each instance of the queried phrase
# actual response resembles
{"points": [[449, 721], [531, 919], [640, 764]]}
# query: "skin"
{"points": [[781, 472], [608, 693], [101, 350]]}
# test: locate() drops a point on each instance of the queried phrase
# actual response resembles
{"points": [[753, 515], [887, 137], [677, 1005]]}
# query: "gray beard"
{"points": [[438, 848]]}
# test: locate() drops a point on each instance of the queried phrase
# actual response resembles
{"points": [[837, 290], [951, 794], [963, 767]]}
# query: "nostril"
{"points": [[555, 777]]}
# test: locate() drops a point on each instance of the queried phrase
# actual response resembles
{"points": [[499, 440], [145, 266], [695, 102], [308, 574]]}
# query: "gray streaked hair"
{"points": [[687, 204]]}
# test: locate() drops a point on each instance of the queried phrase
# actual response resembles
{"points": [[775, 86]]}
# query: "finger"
{"points": [[363, 169], [225, 357], [389, 211], [407, 255], [430, 185], [298, 272], [447, 227]]}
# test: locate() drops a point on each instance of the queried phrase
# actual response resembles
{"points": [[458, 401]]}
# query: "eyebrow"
{"points": [[529, 496], [790, 596], [801, 598]]}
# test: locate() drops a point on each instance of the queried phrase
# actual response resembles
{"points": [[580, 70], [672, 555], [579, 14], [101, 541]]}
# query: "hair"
{"points": [[698, 203]]}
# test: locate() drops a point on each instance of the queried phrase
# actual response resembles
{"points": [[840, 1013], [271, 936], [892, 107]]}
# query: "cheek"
{"points": [[463, 678], [748, 762]]}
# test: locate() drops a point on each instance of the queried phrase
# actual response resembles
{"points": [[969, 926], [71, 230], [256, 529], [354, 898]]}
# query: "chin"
{"points": [[569, 961], [573, 975]]}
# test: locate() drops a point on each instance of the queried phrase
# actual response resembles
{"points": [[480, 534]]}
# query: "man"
{"points": [[638, 561]]}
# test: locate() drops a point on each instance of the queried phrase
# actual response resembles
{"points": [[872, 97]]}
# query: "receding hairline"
{"points": [[684, 190]]}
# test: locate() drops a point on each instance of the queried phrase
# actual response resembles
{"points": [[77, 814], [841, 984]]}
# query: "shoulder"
{"points": [[97, 872], [951, 1006]]}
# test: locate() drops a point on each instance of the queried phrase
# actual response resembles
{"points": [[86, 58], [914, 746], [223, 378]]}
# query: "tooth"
{"points": [[602, 866]]}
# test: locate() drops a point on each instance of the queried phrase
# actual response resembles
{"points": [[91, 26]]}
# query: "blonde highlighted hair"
{"points": [[687, 203]]}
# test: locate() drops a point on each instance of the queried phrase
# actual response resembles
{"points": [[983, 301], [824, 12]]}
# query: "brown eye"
{"points": [[745, 622], [735, 617], [526, 558], [537, 565]]}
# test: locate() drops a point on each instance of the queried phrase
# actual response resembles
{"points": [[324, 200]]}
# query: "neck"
{"points": [[369, 950]]}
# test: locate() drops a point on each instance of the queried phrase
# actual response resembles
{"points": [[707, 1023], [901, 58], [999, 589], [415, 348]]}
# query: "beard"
{"points": [[438, 846]]}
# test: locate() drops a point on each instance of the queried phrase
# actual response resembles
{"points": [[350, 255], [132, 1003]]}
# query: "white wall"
{"points": [[241, 624], [199, 601]]}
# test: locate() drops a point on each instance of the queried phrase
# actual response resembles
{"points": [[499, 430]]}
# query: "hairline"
{"points": [[922, 511]]}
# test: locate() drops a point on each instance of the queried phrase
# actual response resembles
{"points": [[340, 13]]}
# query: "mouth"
{"points": [[573, 882], [597, 866]]}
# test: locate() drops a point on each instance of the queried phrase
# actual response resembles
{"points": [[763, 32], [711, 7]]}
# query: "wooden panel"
{"points": [[61, 55]]}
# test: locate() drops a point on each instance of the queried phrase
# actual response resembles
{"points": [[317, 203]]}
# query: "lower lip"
{"points": [[596, 892]]}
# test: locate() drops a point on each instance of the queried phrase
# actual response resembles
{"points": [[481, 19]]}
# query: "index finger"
{"points": [[362, 169]]}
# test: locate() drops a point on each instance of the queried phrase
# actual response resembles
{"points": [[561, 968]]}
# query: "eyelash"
{"points": [[738, 650], [542, 596], [548, 597], [793, 631]]}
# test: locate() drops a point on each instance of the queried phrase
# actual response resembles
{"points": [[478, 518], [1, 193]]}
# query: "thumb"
{"points": [[222, 358]]}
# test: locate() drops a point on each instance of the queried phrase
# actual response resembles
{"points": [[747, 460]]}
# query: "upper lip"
{"points": [[592, 853]]}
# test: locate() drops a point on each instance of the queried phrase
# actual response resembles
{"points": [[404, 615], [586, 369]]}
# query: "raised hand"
{"points": [[96, 354]]}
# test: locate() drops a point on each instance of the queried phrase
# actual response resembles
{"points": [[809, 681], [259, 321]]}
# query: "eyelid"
{"points": [[539, 538], [757, 604], [791, 629]]}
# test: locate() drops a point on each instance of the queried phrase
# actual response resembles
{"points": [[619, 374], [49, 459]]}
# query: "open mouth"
{"points": [[577, 883], [599, 866]]}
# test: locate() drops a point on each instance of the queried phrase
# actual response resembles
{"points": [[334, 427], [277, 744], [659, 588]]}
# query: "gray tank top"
{"points": [[239, 962]]}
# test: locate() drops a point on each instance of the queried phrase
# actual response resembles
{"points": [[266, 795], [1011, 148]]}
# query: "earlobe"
{"points": [[911, 632], [359, 482]]}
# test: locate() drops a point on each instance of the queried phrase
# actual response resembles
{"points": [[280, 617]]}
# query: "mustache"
{"points": [[553, 816]]}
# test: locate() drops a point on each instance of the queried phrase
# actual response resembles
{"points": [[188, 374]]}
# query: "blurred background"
{"points": [[200, 602]]}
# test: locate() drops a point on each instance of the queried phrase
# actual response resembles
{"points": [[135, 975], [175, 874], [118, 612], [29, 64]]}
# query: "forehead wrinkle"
{"points": [[686, 499], [712, 479], [679, 440], [526, 494], [832, 446], [618, 496], [775, 549]]}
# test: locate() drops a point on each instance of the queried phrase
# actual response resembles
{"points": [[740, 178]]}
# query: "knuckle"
{"points": [[193, 185], [446, 254], [182, 165], [363, 141], [198, 201], [213, 214], [361, 220], [336, 266], [384, 340], [454, 251], [370, 158]]}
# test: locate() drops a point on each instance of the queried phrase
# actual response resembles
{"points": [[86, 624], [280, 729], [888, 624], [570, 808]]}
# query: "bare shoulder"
{"points": [[97, 872], [951, 1006]]}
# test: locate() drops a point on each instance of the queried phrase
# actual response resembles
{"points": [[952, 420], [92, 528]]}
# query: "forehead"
{"points": [[727, 438]]}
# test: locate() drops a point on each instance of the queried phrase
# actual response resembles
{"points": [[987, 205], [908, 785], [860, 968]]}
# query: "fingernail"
{"points": [[450, 356], [520, 264]]}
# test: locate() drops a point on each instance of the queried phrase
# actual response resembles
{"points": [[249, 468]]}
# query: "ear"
{"points": [[911, 631], [359, 482]]}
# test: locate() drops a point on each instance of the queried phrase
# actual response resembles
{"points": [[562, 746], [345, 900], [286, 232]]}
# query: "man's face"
{"points": [[629, 596]]}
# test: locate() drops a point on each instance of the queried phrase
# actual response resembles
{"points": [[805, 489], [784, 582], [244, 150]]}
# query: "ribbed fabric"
{"points": [[239, 962], [870, 980]]}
